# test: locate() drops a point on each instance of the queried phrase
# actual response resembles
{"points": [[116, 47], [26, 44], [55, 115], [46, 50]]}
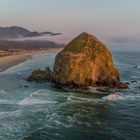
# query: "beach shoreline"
{"points": [[12, 60]]}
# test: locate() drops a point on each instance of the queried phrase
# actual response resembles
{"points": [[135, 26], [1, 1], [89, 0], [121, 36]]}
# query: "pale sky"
{"points": [[104, 18]]}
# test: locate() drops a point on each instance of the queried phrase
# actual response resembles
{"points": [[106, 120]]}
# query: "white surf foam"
{"points": [[15, 113], [74, 99], [31, 99], [114, 97], [118, 96], [3, 101]]}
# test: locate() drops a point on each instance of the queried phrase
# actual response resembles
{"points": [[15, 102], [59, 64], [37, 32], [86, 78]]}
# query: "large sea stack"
{"points": [[85, 62]]}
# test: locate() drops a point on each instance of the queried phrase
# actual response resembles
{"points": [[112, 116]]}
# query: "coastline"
{"points": [[12, 60]]}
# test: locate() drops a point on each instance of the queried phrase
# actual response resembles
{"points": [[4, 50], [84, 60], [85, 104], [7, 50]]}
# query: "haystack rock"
{"points": [[85, 62]]}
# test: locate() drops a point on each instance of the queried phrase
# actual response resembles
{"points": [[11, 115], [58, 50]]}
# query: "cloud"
{"points": [[59, 39], [124, 40]]}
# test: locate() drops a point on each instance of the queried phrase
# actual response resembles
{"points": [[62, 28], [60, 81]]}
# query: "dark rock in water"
{"points": [[134, 81], [136, 66], [127, 83], [24, 86], [85, 62], [120, 85], [41, 75]]}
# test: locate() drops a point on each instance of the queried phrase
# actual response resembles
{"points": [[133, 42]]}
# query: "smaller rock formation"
{"points": [[41, 76]]}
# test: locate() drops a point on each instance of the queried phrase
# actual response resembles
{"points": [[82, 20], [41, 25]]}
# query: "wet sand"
{"points": [[9, 61]]}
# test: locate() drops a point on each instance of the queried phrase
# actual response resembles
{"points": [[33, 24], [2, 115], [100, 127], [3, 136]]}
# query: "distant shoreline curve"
{"points": [[12, 60]]}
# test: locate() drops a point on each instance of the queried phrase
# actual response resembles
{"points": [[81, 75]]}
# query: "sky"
{"points": [[107, 19]]}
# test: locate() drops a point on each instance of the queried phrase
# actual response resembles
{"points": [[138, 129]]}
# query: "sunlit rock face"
{"points": [[85, 62]]}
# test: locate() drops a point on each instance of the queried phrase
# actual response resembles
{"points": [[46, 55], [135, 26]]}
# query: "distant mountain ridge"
{"points": [[14, 32], [33, 34], [50, 33]]}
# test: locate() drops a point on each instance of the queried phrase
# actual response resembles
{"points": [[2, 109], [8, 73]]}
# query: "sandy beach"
{"points": [[9, 61]]}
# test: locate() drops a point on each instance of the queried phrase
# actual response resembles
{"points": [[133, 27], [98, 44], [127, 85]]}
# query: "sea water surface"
{"points": [[33, 111]]}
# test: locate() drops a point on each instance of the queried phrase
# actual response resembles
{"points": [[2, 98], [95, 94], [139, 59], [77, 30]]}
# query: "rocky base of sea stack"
{"points": [[85, 62], [43, 76]]}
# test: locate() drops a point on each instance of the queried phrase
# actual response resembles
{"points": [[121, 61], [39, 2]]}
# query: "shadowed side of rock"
{"points": [[41, 76]]}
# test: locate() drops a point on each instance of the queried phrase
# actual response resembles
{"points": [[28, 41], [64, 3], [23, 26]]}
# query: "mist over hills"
{"points": [[16, 47], [15, 32], [15, 40]]}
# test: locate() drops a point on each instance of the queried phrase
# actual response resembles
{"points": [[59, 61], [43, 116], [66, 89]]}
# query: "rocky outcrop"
{"points": [[41, 75], [85, 62]]}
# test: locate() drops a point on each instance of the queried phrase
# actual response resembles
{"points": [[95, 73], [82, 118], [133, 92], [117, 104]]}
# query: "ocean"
{"points": [[33, 111]]}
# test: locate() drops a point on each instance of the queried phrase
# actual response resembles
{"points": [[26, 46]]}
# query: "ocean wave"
{"points": [[114, 97], [33, 99], [15, 113], [28, 101], [9, 102], [4, 113], [137, 67], [94, 94], [118, 96], [3, 91], [74, 99], [132, 97], [111, 97]]}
